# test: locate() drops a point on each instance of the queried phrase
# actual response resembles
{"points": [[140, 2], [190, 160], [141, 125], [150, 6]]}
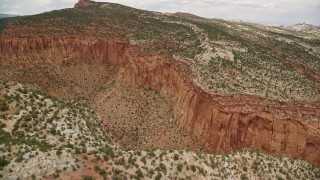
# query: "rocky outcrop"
{"points": [[197, 112], [84, 3]]}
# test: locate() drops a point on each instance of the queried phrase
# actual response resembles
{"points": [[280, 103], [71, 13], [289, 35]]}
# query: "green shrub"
{"points": [[3, 162], [158, 177], [143, 159], [150, 172], [139, 174], [245, 168], [19, 158], [33, 177], [176, 157], [4, 106], [151, 153], [244, 177], [86, 177], [120, 161], [59, 151], [102, 172], [162, 167], [109, 152], [193, 168], [55, 175], [179, 167], [96, 168]]}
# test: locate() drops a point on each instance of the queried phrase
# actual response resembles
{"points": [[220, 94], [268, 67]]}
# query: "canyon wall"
{"points": [[64, 66], [63, 50], [196, 112], [216, 128]]}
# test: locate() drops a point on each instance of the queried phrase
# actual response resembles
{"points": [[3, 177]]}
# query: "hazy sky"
{"points": [[262, 11]]}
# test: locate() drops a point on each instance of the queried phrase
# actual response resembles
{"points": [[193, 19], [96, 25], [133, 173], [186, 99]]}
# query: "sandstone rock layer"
{"points": [[61, 50]]}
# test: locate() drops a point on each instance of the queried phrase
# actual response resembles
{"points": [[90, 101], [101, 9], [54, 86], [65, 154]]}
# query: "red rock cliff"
{"points": [[198, 113], [61, 50], [220, 130]]}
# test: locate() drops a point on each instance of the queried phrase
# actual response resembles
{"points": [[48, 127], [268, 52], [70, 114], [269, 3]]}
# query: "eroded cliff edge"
{"points": [[217, 126]]}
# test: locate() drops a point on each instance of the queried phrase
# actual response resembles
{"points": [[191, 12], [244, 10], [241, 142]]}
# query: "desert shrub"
{"points": [[193, 168], [158, 177], [87, 177], [33, 177], [109, 152], [102, 172], [3, 162], [59, 151], [176, 157], [179, 167], [162, 167], [244, 177], [150, 172], [4, 106], [143, 159], [151, 153], [96, 168], [120, 161], [139, 174], [19, 158]]}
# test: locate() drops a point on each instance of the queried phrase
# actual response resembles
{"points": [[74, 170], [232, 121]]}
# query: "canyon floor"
{"points": [[106, 91]]}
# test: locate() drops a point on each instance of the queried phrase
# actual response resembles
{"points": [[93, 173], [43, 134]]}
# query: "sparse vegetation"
{"points": [[51, 137]]}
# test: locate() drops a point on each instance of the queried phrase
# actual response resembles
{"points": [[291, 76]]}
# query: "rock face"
{"points": [[84, 3], [61, 50], [218, 129], [197, 112]]}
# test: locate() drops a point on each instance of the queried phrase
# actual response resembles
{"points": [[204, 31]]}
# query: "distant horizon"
{"points": [[262, 12]]}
